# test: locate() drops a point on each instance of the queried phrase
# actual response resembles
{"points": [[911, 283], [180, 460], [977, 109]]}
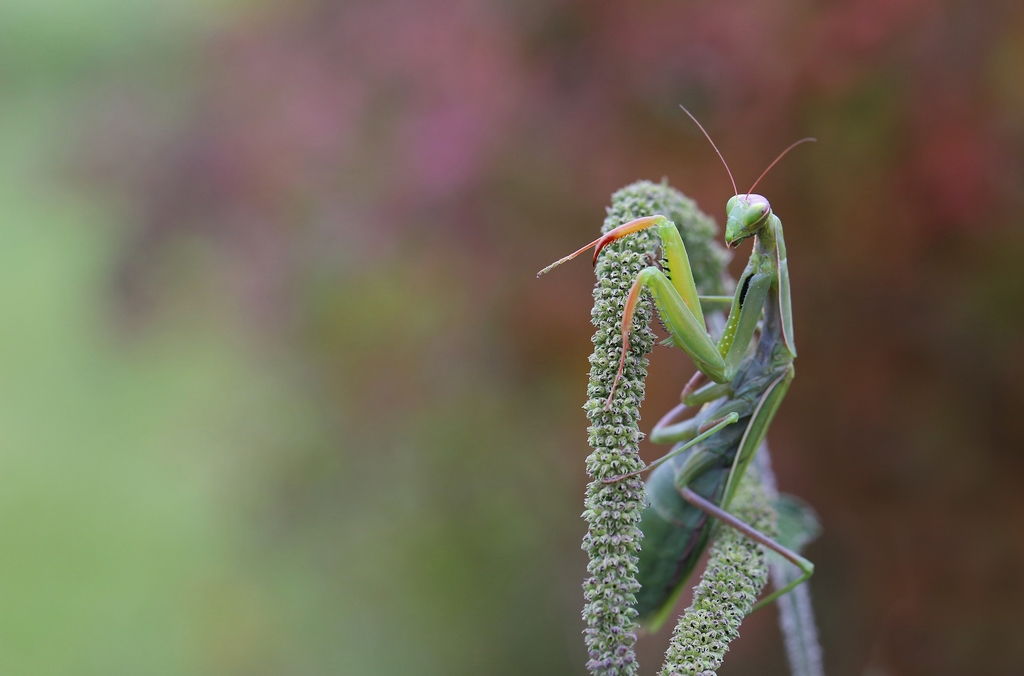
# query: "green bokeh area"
{"points": [[118, 462], [154, 517], [124, 459]]}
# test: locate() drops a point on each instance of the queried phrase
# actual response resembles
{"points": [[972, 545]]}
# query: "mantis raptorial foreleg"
{"points": [[713, 510], [680, 307]]}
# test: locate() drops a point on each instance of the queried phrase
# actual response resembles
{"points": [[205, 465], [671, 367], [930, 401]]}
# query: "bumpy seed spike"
{"points": [[613, 510]]}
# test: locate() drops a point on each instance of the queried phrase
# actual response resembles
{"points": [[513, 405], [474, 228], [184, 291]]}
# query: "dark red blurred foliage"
{"points": [[382, 179]]}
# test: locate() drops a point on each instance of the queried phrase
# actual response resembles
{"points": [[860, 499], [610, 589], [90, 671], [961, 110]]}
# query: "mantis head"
{"points": [[745, 215]]}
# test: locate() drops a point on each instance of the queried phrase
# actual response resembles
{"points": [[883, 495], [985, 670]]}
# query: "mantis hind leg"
{"points": [[668, 430], [709, 428], [713, 510]]}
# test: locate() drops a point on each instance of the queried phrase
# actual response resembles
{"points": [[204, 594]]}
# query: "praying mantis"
{"points": [[696, 481]]}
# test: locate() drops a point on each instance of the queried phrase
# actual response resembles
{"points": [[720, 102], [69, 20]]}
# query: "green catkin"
{"points": [[736, 573], [612, 511]]}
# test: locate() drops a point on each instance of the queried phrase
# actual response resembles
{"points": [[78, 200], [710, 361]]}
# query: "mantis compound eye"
{"points": [[756, 212]]}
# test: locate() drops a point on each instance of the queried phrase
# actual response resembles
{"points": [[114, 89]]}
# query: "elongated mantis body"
{"points": [[699, 477]]}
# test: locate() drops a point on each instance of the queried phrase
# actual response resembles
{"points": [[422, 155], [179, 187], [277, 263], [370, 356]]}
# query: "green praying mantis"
{"points": [[696, 481]]}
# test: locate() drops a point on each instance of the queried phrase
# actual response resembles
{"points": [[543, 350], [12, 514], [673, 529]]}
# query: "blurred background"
{"points": [[280, 394]]}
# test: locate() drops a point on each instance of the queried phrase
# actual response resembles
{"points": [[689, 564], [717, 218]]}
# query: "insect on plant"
{"points": [[741, 380]]}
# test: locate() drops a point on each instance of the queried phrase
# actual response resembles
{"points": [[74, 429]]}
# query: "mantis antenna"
{"points": [[791, 146], [708, 136]]}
